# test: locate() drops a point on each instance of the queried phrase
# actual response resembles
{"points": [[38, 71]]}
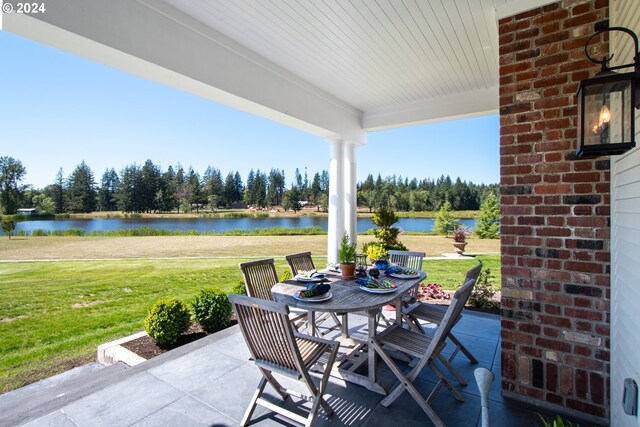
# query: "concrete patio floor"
{"points": [[209, 383]]}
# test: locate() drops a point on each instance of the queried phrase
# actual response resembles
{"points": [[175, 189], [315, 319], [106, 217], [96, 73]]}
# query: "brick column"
{"points": [[555, 215]]}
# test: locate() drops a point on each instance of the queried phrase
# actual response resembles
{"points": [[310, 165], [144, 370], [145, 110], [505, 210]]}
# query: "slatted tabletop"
{"points": [[347, 297]]}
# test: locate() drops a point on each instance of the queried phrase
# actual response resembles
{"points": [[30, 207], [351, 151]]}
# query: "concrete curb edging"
{"points": [[113, 352]]}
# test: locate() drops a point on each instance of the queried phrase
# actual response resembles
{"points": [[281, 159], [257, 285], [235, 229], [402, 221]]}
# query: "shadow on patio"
{"points": [[210, 382]]}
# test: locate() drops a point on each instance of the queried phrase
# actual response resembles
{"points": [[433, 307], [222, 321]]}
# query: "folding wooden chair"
{"points": [[300, 262], [276, 348], [427, 350], [259, 277], [303, 262], [432, 314], [405, 259]]}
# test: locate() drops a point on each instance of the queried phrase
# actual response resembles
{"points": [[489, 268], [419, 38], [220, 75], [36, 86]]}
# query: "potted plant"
{"points": [[460, 239], [347, 257]]}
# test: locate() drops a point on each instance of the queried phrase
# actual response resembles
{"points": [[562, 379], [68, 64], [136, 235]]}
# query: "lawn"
{"points": [[54, 314]]}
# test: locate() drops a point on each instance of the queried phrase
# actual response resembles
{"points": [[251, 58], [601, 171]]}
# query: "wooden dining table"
{"points": [[347, 297]]}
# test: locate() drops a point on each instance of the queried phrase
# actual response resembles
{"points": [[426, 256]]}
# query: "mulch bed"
{"points": [[147, 348], [445, 302]]}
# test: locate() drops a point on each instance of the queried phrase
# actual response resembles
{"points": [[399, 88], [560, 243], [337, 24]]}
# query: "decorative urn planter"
{"points": [[459, 247]]}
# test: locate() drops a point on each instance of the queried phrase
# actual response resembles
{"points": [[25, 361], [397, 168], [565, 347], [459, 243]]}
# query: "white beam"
{"points": [[350, 196], [506, 8], [156, 41], [335, 226], [468, 104]]}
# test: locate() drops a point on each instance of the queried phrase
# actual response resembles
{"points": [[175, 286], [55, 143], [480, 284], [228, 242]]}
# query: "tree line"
{"points": [[148, 188]]}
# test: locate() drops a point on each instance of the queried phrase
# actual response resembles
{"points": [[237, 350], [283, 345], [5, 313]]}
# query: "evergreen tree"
{"points": [[150, 177], [81, 190], [127, 193], [488, 224], [11, 173], [233, 189], [194, 190], [292, 199], [315, 192], [445, 222], [109, 184], [57, 192], [181, 189], [259, 190], [212, 187], [275, 187], [248, 191], [238, 188], [324, 182], [166, 196]]}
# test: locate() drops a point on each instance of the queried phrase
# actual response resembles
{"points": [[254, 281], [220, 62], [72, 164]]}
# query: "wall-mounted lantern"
{"points": [[607, 103]]}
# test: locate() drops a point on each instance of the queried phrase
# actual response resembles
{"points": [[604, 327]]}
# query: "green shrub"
{"points": [[386, 233], [166, 320], [483, 292], [558, 422], [375, 250], [212, 309], [239, 288], [286, 274]]}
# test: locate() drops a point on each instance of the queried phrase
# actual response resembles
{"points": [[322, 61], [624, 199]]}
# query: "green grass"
{"points": [[55, 313], [450, 273]]}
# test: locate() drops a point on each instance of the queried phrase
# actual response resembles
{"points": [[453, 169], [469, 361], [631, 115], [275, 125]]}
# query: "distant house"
{"points": [[28, 211]]}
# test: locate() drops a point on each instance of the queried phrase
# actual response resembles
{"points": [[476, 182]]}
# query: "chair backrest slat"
{"points": [[473, 272], [453, 312], [300, 262], [259, 277], [267, 331], [407, 259]]}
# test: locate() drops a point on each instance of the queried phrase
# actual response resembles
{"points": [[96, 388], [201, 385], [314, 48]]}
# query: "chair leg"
{"points": [[414, 323], [443, 380], [318, 392], [405, 385], [463, 349], [254, 400], [447, 364], [282, 391]]}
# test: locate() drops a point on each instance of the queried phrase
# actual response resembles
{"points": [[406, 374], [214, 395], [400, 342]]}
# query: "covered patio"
{"points": [[342, 69], [210, 382]]}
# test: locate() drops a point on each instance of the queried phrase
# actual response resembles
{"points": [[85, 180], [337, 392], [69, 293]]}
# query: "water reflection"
{"points": [[214, 224]]}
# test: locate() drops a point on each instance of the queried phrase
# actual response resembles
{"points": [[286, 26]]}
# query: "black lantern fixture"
{"points": [[607, 103]]}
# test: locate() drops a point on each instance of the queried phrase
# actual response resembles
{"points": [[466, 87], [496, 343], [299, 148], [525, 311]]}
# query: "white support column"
{"points": [[350, 193], [336, 198]]}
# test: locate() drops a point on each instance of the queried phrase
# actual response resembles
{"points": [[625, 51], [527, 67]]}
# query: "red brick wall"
{"points": [[555, 214]]}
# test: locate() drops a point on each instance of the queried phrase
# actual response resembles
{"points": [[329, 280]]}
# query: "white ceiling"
{"points": [[334, 68], [376, 55]]}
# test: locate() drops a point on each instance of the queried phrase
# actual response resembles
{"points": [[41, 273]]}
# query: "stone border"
{"points": [[113, 352]]}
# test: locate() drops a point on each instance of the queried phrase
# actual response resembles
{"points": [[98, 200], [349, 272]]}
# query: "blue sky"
{"points": [[58, 109]]}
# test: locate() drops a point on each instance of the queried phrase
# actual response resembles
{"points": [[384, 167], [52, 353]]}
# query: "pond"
{"points": [[214, 224]]}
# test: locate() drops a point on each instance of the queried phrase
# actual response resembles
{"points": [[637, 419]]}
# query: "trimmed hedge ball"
{"points": [[166, 320], [212, 309]]}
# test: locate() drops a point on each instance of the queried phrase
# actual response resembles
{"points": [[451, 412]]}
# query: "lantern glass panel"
{"points": [[607, 113]]}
